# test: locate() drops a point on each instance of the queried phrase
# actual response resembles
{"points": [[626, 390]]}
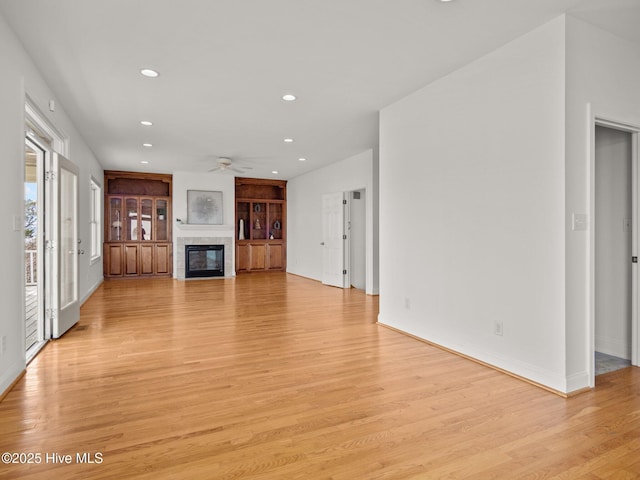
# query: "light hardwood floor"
{"points": [[274, 376]]}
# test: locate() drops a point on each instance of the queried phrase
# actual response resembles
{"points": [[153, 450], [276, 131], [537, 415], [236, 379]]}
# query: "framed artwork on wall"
{"points": [[204, 208]]}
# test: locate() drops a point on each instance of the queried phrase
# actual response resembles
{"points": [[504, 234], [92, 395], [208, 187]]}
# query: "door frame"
{"points": [[609, 122], [346, 231], [35, 120]]}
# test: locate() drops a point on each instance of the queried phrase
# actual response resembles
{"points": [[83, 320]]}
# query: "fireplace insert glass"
{"points": [[204, 261]]}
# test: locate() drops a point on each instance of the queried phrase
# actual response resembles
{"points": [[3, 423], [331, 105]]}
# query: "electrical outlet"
{"points": [[497, 328]]}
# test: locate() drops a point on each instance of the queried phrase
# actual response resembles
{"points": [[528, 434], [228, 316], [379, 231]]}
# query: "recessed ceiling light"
{"points": [[288, 140], [445, 1], [147, 72], [302, 159], [144, 161], [274, 171], [289, 97], [147, 145], [146, 123]]}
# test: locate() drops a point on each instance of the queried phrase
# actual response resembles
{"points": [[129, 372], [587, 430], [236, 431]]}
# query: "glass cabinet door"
{"points": [[116, 220], [162, 223], [146, 219], [131, 219]]}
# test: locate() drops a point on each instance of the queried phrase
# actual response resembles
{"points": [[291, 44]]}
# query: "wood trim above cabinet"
{"points": [[136, 183]]}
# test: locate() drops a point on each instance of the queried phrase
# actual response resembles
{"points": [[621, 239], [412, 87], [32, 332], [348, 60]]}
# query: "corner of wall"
{"points": [[10, 375]]}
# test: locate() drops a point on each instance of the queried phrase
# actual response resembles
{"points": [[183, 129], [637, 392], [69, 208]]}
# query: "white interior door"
{"points": [[333, 205], [65, 192]]}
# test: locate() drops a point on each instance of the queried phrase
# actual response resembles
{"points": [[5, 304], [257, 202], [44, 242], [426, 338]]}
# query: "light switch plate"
{"points": [[580, 222]]}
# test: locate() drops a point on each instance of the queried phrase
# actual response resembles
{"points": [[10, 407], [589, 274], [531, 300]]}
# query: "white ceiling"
{"points": [[224, 66]]}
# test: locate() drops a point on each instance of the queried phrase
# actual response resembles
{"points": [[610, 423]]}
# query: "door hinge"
{"points": [[634, 259], [49, 245], [49, 175], [344, 237], [344, 272], [50, 313], [344, 202]]}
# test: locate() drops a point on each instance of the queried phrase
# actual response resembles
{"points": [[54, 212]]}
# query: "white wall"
{"points": [[304, 214], [183, 181], [20, 77], [603, 75], [472, 209]]}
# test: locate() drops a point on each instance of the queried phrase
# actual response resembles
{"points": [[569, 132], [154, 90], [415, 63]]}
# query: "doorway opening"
{"points": [[50, 243], [357, 237], [344, 239], [35, 150], [614, 251]]}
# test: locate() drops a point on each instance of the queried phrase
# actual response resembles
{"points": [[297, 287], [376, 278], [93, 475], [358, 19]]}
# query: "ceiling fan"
{"points": [[225, 164]]}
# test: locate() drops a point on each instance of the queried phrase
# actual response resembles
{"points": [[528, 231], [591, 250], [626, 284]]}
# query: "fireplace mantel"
{"points": [[198, 226]]}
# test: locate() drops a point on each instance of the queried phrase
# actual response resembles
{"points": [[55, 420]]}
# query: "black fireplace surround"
{"points": [[204, 261]]}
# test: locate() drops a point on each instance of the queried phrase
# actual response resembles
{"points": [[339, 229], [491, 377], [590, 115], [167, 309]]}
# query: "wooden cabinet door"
{"points": [[146, 259], [252, 257], [162, 259], [130, 260], [243, 256], [113, 260], [276, 256], [258, 257]]}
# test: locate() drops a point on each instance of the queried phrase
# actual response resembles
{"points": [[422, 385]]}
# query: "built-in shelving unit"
{"points": [[261, 207], [137, 227]]}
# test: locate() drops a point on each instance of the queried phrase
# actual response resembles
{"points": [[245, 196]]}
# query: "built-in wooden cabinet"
{"points": [[137, 225], [261, 210]]}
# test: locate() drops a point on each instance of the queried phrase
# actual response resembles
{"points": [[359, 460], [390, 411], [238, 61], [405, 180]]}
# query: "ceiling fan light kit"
{"points": [[226, 164]]}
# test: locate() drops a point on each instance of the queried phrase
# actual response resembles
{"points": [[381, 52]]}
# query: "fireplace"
{"points": [[204, 261]]}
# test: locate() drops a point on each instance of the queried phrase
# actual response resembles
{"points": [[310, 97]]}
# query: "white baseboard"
{"points": [[532, 373], [10, 376], [91, 291]]}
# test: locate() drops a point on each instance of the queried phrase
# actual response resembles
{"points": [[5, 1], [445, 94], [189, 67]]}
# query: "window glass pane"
{"points": [[68, 236]]}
